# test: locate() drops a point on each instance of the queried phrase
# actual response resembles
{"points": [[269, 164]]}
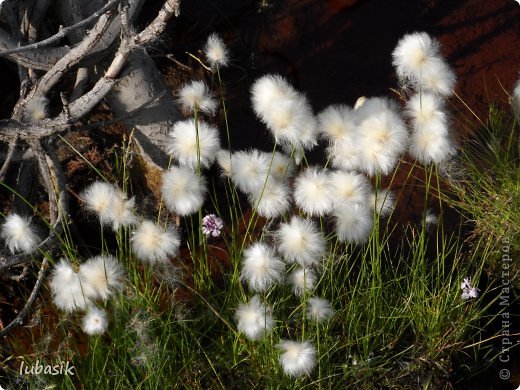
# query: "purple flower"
{"points": [[211, 225], [468, 291]]}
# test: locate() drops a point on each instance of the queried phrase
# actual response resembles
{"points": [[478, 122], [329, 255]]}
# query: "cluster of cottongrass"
{"points": [[90, 285], [309, 209]]}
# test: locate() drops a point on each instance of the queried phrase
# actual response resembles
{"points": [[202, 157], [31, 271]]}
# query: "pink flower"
{"points": [[212, 225]]}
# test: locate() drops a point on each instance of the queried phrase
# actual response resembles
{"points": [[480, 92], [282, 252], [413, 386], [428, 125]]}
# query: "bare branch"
{"points": [[20, 317], [10, 153], [82, 76], [63, 32], [74, 56], [40, 59], [169, 9]]}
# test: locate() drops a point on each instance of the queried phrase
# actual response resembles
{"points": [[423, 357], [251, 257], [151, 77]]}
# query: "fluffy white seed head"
{"points": [[302, 280], [224, 162], [154, 244], [101, 276], [300, 241], [216, 52], [249, 170], [67, 288], [297, 358], [354, 222], [183, 143], [254, 319], [430, 219], [183, 191], [282, 166], [260, 267], [337, 122], [308, 137], [349, 187], [36, 109], [426, 113], [18, 234], [372, 106], [284, 111], [515, 102], [98, 198], [430, 147], [382, 201], [271, 200], [413, 53], [110, 205], [287, 120], [344, 153], [122, 211], [194, 96], [438, 78], [95, 322], [319, 309], [267, 89], [313, 192], [381, 137]]}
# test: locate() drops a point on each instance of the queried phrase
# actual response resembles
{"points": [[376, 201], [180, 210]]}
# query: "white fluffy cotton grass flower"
{"points": [[413, 54], [354, 222], [313, 192], [344, 154], [260, 267], [349, 187], [194, 96], [18, 234], [182, 190], [101, 276], [283, 110], [122, 211], [216, 52], [287, 118], [426, 113], [282, 166], [154, 244], [68, 288], [381, 136], [249, 170], [223, 158], [438, 78], [337, 122], [183, 146], [94, 322], [419, 64], [429, 147], [515, 99], [302, 281], [271, 200], [254, 319], [266, 90], [300, 241], [319, 309], [110, 204], [297, 358], [36, 109]]}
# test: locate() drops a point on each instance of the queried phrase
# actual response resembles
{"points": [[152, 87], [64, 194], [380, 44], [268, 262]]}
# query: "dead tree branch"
{"points": [[63, 32], [34, 293]]}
